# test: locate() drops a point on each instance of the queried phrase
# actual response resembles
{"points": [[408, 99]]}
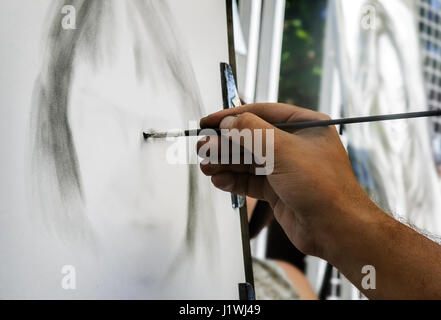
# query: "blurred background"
{"points": [[350, 58]]}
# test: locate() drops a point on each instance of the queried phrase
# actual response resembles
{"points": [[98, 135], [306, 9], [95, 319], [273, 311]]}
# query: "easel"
{"points": [[231, 100]]}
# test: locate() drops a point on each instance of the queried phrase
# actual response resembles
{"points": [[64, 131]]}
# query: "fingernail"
{"points": [[227, 122]]}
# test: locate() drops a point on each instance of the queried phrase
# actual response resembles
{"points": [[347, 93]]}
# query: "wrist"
{"points": [[352, 224]]}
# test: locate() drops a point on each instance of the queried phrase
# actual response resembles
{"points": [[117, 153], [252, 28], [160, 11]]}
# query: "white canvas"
{"points": [[88, 208]]}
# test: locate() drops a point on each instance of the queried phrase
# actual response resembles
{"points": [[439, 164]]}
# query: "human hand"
{"points": [[312, 189]]}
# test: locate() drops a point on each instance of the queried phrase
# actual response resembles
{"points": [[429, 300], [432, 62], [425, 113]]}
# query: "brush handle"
{"points": [[324, 123], [293, 126]]}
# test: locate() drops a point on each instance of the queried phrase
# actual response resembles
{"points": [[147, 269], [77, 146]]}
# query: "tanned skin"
{"points": [[322, 208]]}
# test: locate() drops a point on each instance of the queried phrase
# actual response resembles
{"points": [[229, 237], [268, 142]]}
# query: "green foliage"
{"points": [[302, 56]]}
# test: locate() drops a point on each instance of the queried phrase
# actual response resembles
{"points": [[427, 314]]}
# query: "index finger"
{"points": [[270, 112]]}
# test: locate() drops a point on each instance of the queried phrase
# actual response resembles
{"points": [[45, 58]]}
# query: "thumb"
{"points": [[244, 121]]}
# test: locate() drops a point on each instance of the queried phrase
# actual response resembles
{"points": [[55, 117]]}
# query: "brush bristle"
{"points": [[163, 135]]}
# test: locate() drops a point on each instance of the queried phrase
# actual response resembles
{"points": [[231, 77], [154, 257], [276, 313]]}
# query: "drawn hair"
{"points": [[373, 150], [55, 167]]}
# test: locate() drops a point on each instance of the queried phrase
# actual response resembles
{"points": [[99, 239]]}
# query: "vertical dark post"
{"points": [[231, 49], [246, 290]]}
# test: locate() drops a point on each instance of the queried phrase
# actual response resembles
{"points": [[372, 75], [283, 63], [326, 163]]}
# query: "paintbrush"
{"points": [[294, 126]]}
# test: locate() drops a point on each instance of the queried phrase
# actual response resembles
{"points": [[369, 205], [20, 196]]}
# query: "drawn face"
{"points": [[85, 190], [135, 200]]}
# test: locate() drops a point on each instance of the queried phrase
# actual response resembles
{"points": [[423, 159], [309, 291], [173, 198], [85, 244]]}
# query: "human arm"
{"points": [[322, 208]]}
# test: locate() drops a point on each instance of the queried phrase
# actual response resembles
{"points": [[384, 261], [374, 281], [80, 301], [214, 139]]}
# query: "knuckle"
{"points": [[244, 120], [262, 108]]}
